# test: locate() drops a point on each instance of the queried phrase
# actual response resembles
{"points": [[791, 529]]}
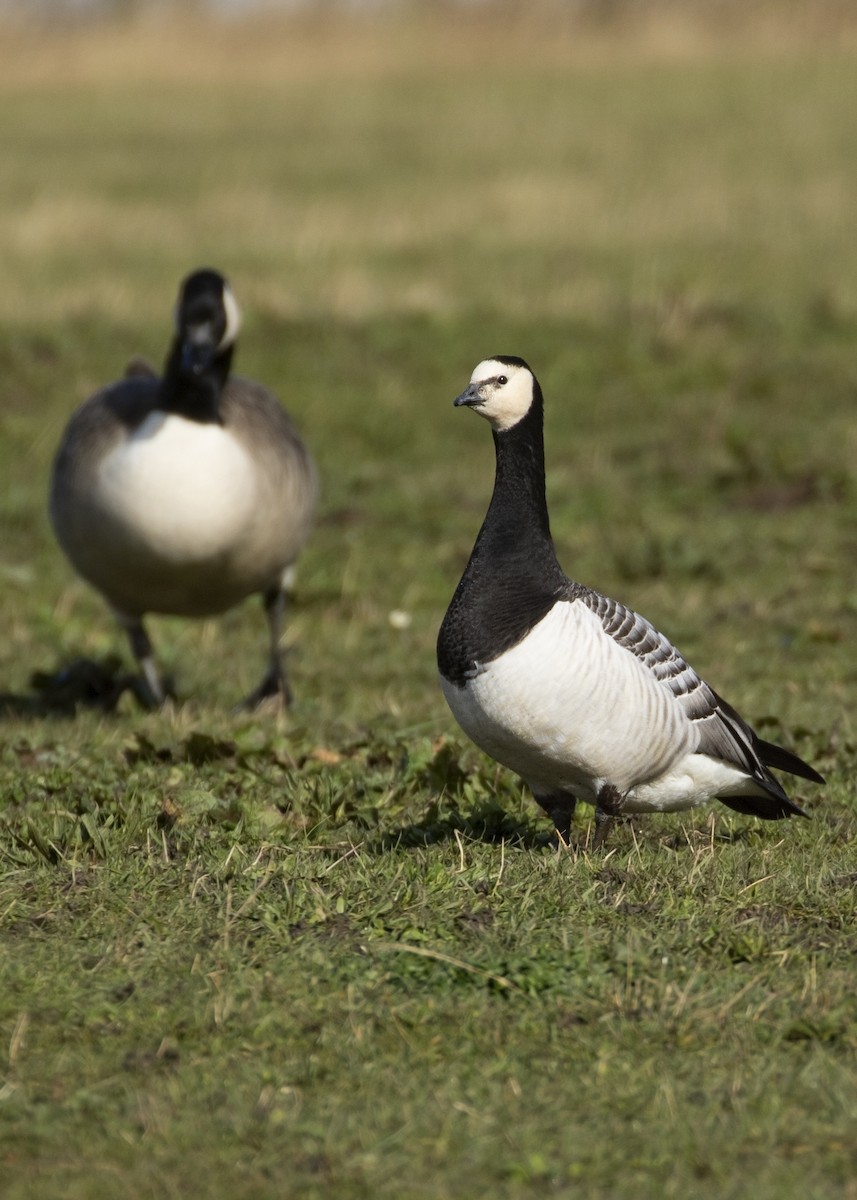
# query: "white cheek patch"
{"points": [[505, 404], [508, 405], [233, 318]]}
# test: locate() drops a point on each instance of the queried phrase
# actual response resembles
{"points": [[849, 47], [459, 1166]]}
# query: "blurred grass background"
{"points": [[654, 204], [658, 213]]}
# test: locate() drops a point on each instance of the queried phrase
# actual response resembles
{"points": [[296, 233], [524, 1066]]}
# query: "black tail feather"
{"points": [[783, 760], [775, 804], [766, 808]]}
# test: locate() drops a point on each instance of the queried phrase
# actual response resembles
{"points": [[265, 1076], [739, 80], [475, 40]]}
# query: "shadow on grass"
{"points": [[487, 823], [81, 683], [696, 839], [490, 824]]}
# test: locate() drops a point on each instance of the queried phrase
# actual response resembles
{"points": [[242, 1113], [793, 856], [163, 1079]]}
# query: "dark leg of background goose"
{"points": [[152, 692], [274, 682], [609, 804], [603, 824], [559, 806]]}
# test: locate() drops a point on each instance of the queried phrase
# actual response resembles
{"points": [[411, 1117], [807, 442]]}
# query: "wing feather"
{"points": [[722, 732], [658, 655]]}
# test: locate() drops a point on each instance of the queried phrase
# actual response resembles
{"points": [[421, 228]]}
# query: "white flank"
{"points": [[183, 490], [570, 709]]}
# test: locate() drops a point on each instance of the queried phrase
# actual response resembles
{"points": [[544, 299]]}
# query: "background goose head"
{"points": [[207, 320], [502, 389]]}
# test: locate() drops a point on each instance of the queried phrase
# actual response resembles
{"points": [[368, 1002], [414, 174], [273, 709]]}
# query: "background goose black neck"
{"points": [[513, 577], [195, 397]]}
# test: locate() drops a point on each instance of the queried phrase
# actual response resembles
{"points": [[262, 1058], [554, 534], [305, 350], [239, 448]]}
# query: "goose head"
{"points": [[502, 389], [207, 321]]}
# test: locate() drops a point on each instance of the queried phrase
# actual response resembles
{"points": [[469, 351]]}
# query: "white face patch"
{"points": [[506, 392], [233, 317]]}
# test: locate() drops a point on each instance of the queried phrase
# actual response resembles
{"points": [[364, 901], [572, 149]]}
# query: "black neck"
{"points": [[517, 520], [513, 577], [194, 396]]}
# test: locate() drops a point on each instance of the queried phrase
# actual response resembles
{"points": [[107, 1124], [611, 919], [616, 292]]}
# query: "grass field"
{"points": [[334, 953]]}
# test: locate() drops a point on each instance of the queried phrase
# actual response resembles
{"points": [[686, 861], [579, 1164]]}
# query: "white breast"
{"points": [[182, 490], [568, 708]]}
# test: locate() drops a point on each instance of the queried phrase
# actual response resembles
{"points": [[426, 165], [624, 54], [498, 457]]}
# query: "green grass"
{"points": [[335, 953]]}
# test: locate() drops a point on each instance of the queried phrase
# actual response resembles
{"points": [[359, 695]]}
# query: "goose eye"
{"points": [[501, 379]]}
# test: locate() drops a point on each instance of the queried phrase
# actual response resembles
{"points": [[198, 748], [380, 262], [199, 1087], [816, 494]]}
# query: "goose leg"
{"points": [[559, 806], [274, 682], [152, 693], [608, 806]]}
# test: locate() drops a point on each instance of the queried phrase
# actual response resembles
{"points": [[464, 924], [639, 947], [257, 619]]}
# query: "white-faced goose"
{"points": [[185, 493], [579, 695]]}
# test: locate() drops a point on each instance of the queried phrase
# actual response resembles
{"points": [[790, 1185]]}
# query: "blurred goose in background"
{"points": [[185, 493], [579, 695]]}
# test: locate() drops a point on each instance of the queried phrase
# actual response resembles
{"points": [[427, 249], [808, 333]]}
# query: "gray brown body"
{"points": [[136, 576]]}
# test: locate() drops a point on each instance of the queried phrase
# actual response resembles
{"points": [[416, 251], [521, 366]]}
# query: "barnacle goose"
{"points": [[580, 696], [184, 494]]}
